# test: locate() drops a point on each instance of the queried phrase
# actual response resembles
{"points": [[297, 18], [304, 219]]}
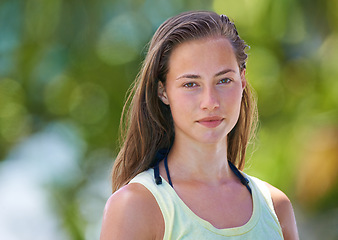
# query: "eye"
{"points": [[190, 85], [225, 80]]}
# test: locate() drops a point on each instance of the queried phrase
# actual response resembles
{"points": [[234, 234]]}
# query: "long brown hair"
{"points": [[146, 123]]}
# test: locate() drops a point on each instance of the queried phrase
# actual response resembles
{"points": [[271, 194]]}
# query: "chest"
{"points": [[224, 207]]}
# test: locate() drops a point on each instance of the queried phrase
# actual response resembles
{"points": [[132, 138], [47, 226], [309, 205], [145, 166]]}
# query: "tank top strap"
{"points": [[263, 188]]}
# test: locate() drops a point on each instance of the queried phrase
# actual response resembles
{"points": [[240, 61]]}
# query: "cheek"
{"points": [[232, 102], [234, 96], [181, 105], [238, 99]]}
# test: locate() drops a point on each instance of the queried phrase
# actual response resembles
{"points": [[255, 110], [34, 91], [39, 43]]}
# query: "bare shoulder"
{"points": [[132, 213], [285, 213]]}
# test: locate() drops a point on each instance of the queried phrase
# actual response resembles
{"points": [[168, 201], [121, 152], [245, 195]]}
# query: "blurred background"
{"points": [[66, 65]]}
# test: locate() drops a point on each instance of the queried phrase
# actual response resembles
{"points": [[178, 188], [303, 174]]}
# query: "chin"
{"points": [[213, 139]]}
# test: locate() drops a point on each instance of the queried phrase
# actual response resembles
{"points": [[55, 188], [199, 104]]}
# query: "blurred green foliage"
{"points": [[72, 62]]}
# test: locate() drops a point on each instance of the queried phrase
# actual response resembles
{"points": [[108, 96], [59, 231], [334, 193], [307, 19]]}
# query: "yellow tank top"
{"points": [[182, 223]]}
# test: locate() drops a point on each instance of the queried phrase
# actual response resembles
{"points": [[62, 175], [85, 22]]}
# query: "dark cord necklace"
{"points": [[158, 178]]}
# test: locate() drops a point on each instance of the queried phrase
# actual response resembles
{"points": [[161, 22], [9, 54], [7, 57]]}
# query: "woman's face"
{"points": [[203, 89]]}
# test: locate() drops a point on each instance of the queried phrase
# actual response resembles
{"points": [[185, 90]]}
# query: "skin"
{"points": [[203, 89]]}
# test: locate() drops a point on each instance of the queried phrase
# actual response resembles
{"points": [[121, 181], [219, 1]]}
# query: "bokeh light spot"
{"points": [[14, 118], [57, 94], [122, 38], [89, 103], [243, 12], [42, 18], [263, 74]]}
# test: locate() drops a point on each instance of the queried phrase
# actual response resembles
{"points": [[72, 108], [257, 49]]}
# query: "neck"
{"points": [[200, 162]]}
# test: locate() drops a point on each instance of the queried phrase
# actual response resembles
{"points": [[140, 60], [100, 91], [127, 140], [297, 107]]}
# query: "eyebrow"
{"points": [[195, 76]]}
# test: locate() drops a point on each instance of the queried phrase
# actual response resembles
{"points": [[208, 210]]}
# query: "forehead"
{"points": [[209, 54]]}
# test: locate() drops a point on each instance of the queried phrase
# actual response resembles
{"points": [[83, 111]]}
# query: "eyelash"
{"points": [[193, 84]]}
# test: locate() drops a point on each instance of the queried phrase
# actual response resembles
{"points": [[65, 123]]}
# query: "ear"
{"points": [[162, 94], [243, 79]]}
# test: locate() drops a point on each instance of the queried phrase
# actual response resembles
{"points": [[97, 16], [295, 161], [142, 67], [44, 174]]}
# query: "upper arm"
{"points": [[285, 214], [130, 213]]}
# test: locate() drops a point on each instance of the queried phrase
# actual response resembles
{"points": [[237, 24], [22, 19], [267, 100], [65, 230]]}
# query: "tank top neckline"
{"points": [[222, 231], [158, 179]]}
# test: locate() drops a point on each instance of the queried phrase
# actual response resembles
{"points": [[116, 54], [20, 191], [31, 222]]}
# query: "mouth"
{"points": [[211, 122]]}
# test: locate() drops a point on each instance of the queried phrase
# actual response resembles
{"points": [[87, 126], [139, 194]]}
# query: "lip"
{"points": [[211, 122]]}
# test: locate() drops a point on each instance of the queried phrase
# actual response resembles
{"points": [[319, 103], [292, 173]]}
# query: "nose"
{"points": [[209, 99]]}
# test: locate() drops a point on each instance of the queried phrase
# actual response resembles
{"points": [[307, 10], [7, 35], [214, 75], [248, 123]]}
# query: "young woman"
{"points": [[190, 117]]}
